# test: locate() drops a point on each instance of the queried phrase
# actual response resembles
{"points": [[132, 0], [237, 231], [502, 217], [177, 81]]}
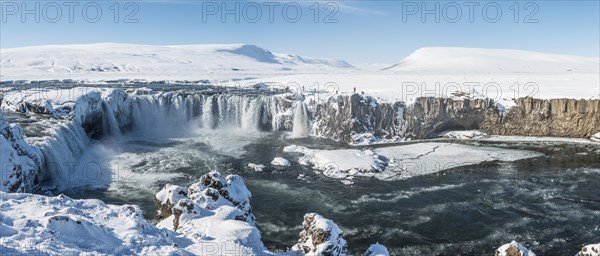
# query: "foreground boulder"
{"points": [[214, 213], [320, 236], [377, 250], [590, 250], [513, 249]]}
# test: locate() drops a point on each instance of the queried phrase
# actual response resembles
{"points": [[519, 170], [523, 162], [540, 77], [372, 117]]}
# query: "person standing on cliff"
{"points": [[354, 89]]}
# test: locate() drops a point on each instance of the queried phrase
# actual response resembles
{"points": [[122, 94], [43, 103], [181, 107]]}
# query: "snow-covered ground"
{"points": [[40, 225], [439, 71], [109, 61]]}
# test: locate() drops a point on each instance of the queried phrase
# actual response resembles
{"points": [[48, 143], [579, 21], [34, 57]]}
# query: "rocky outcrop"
{"points": [[214, 213], [320, 236], [513, 249], [377, 250], [342, 116], [590, 250], [20, 162], [541, 117], [211, 192]]}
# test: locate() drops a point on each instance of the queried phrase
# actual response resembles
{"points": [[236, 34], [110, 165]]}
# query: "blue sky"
{"points": [[365, 31]]}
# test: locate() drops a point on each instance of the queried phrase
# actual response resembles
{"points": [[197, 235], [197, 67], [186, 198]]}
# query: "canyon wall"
{"points": [[539, 117], [340, 117]]}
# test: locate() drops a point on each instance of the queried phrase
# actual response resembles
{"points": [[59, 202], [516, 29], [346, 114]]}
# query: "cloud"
{"points": [[343, 7], [347, 8]]}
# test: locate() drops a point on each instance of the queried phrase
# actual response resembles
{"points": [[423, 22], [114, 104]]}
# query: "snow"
{"points": [[34, 224], [505, 249], [478, 60], [122, 62], [55, 101], [417, 159], [341, 163], [590, 250], [20, 161], [280, 161], [256, 167], [366, 138], [404, 161], [320, 236], [171, 194], [377, 250], [595, 137], [499, 74], [464, 135], [502, 138]]}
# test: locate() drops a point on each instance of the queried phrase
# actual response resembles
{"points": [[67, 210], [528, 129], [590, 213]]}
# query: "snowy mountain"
{"points": [[129, 61], [478, 60], [499, 74]]}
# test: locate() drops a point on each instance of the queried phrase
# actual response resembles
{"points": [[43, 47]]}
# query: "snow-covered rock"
{"points": [[377, 250], [595, 137], [40, 225], [21, 163], [513, 249], [474, 134], [280, 161], [320, 236], [256, 167], [590, 250], [340, 163], [214, 213]]}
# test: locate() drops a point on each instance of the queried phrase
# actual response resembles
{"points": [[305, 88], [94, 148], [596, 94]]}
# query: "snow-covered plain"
{"points": [[436, 71], [110, 61]]}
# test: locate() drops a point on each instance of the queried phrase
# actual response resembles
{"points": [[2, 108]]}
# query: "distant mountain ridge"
{"points": [[233, 62], [479, 60], [111, 59]]}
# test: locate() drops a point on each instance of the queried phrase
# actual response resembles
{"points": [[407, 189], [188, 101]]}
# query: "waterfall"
{"points": [[301, 127], [109, 121], [62, 151], [151, 115], [251, 114], [208, 113]]}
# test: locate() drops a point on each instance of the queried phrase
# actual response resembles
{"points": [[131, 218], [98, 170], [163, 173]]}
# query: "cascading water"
{"points": [[251, 114], [154, 115], [109, 122], [301, 126], [63, 150], [208, 112]]}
